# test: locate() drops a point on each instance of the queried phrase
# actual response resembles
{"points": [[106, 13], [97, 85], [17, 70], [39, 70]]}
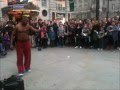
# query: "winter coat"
{"points": [[115, 33], [52, 35], [7, 39], [61, 33]]}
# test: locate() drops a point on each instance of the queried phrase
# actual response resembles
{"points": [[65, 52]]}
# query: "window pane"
{"points": [[44, 2]]}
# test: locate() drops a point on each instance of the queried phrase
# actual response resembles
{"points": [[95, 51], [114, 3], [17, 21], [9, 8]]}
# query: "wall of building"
{"points": [[3, 3], [50, 7], [86, 8]]}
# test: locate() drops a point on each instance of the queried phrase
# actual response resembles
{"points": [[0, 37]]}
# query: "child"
{"points": [[6, 41], [52, 37]]}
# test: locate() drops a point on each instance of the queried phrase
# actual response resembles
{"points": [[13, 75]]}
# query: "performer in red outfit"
{"points": [[23, 47]]}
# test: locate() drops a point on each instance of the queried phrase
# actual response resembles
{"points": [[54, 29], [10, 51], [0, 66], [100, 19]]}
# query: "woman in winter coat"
{"points": [[52, 37], [44, 37], [61, 33], [7, 41]]}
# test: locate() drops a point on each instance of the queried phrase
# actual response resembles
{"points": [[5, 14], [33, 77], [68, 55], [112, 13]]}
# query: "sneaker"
{"points": [[80, 47], [28, 70], [118, 48], [20, 74], [76, 47], [98, 49]]}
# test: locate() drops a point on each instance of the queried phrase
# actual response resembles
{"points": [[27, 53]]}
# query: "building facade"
{"points": [[3, 3], [87, 8], [53, 9], [49, 9], [59, 9]]}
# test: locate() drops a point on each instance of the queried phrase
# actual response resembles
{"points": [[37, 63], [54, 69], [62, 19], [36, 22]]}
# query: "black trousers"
{"points": [[78, 41], [102, 43], [52, 43], [119, 39], [85, 41], [61, 41], [44, 42]]}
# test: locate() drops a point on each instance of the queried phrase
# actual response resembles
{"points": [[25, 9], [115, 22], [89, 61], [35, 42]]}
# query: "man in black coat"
{"points": [[55, 28]]}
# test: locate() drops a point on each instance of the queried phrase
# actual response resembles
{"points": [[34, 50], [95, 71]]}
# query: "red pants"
{"points": [[23, 50]]}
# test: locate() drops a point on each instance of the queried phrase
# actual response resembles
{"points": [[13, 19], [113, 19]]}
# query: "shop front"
{"points": [[16, 11]]}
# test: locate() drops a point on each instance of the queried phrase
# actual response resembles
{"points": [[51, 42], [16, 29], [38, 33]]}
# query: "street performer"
{"points": [[23, 47]]}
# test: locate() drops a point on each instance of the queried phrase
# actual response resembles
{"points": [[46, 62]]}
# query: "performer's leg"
{"points": [[19, 50], [27, 53]]}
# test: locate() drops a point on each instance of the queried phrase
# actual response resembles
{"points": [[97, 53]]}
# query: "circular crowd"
{"points": [[88, 33]]}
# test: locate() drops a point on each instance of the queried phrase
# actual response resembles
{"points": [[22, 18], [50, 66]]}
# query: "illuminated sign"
{"points": [[18, 6]]}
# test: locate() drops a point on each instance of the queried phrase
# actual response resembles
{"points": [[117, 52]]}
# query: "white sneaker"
{"points": [[98, 49], [118, 48], [29, 70], [20, 74], [76, 47], [80, 47]]}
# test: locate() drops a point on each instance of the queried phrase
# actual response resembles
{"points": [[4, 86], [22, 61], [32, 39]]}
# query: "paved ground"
{"points": [[68, 69]]}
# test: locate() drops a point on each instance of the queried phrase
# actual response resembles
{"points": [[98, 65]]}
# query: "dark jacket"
{"points": [[78, 31]]}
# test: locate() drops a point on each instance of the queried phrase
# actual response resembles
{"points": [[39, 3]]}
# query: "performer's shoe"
{"points": [[20, 74], [27, 70]]}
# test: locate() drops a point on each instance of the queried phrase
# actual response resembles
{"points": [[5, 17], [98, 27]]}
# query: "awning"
{"points": [[5, 10], [18, 7]]}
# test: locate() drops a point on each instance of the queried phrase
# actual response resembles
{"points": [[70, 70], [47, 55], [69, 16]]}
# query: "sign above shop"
{"points": [[19, 6]]}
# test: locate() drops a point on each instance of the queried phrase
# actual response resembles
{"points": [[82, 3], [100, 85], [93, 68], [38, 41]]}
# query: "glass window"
{"points": [[44, 2], [61, 5], [113, 6], [44, 13]]}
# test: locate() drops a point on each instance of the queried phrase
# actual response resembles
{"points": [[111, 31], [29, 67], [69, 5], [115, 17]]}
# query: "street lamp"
{"points": [[97, 9], [107, 16]]}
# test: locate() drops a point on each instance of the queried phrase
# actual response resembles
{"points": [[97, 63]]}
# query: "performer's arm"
{"points": [[33, 29]]}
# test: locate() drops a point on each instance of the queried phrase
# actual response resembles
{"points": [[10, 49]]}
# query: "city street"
{"points": [[67, 68]]}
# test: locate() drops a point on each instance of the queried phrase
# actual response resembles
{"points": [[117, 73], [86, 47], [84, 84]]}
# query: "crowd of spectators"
{"points": [[100, 35]]}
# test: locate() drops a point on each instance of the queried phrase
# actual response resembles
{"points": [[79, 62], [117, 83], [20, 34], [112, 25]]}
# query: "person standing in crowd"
{"points": [[85, 35], [78, 35], [32, 33], [118, 27], [55, 28], [6, 41], [61, 33], [115, 34], [110, 37], [9, 27], [23, 47], [49, 28], [72, 33], [2, 50], [94, 36], [38, 35], [66, 36], [52, 37], [43, 34], [101, 35]]}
